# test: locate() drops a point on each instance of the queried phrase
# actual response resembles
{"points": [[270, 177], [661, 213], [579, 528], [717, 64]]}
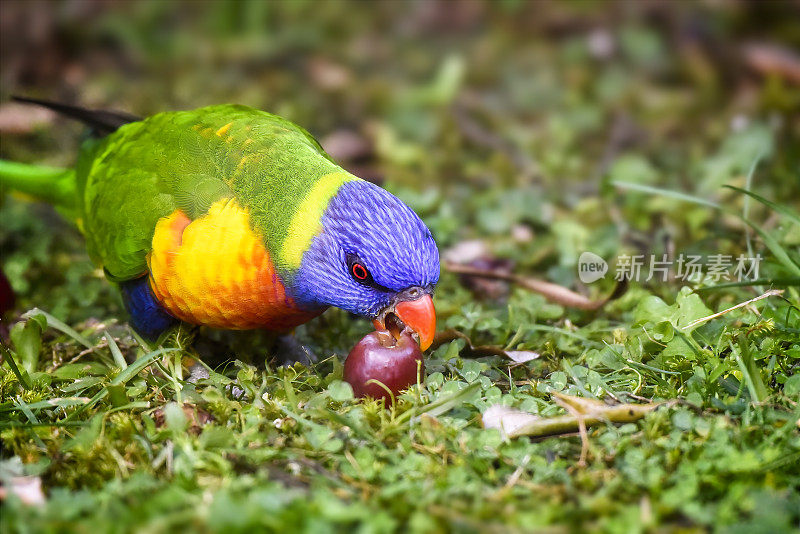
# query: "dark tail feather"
{"points": [[102, 122]]}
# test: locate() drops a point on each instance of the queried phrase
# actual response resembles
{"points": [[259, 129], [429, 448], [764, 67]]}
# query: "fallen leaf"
{"points": [[771, 59], [513, 423], [466, 251], [522, 356], [509, 421], [28, 489], [581, 405]]}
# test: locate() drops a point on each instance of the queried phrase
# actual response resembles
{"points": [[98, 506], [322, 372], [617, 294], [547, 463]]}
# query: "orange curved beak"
{"points": [[419, 315]]}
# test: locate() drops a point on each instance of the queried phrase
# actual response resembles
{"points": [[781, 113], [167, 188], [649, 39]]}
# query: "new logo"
{"points": [[591, 267]]}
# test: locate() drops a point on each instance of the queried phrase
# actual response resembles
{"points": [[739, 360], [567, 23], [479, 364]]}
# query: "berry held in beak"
{"points": [[417, 314]]}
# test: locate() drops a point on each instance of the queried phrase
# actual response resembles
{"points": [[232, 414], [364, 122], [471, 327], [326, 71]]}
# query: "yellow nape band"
{"points": [[222, 131], [306, 222], [215, 271]]}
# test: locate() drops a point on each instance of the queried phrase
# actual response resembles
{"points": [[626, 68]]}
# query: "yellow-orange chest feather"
{"points": [[215, 271]]}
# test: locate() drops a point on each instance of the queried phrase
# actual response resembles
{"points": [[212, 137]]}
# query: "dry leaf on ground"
{"points": [[513, 423]]}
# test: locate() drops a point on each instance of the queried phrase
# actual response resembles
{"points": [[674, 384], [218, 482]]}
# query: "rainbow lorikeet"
{"points": [[231, 217]]}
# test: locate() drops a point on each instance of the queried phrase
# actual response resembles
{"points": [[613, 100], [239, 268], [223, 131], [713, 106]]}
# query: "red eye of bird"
{"points": [[360, 272]]}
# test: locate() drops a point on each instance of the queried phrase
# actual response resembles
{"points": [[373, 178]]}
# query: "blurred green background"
{"points": [[500, 120]]}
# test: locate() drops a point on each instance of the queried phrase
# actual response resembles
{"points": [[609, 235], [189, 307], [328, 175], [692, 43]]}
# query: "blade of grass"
{"points": [[21, 374], [441, 405], [134, 368], [783, 282], [746, 205], [62, 327], [780, 253], [25, 409], [119, 359], [64, 402], [750, 373], [142, 343], [783, 210], [83, 383], [22, 406], [291, 398], [666, 192], [57, 424], [770, 293], [130, 406], [122, 378], [577, 381], [634, 363]]}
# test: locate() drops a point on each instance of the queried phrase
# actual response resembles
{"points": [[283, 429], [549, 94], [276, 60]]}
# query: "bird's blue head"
{"points": [[373, 257]]}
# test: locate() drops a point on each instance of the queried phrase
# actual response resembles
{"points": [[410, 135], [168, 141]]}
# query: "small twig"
{"points": [[770, 293], [84, 352], [581, 427], [514, 423], [514, 478], [553, 292], [638, 397]]}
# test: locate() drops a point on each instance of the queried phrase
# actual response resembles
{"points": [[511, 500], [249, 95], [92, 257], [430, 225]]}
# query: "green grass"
{"points": [[282, 446], [124, 437]]}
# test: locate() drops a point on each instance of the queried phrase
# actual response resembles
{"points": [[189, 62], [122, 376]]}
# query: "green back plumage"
{"points": [[188, 160]]}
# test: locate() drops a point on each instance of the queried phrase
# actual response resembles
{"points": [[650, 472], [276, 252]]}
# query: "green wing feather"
{"points": [[187, 160]]}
